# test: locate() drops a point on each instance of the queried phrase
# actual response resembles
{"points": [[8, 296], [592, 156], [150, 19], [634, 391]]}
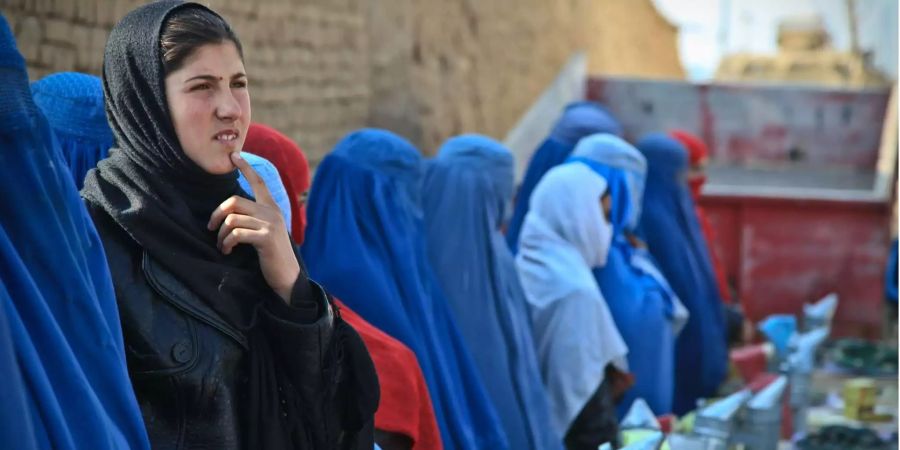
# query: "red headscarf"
{"points": [[292, 165], [405, 406], [697, 152]]}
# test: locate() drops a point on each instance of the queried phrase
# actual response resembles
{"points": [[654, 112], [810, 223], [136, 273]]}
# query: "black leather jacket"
{"points": [[187, 364]]}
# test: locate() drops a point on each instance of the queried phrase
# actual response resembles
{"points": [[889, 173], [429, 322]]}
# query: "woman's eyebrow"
{"points": [[207, 77], [203, 77]]}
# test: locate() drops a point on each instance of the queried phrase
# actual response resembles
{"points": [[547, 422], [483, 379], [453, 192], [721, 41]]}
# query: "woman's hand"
{"points": [[260, 224], [635, 241], [620, 382]]}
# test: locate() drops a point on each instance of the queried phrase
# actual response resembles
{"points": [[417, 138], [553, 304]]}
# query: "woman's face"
{"points": [[698, 169], [606, 206], [210, 105]]}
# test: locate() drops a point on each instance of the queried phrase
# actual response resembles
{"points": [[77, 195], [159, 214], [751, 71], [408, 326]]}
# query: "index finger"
{"points": [[257, 185]]}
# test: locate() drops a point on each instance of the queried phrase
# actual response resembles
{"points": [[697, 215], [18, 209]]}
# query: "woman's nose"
{"points": [[228, 108]]}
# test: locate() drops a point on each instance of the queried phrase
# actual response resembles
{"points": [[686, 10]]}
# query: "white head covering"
{"points": [[613, 151], [564, 235]]}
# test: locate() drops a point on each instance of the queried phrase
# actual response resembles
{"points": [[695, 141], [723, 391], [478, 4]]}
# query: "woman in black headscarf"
{"points": [[229, 343]]}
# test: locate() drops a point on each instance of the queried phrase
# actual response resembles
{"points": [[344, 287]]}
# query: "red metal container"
{"points": [[800, 186]]}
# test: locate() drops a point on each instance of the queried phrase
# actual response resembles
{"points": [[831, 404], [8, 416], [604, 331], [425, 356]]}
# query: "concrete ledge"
{"points": [[534, 126]]}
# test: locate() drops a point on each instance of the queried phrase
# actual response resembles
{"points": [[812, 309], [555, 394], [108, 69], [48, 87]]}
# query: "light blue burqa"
{"points": [[467, 188]]}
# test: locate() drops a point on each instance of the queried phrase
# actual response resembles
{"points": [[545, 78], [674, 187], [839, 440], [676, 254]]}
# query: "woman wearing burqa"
{"points": [[467, 189], [698, 156], [229, 344], [405, 417], [566, 233], [579, 119], [670, 227], [73, 105], [646, 310], [62, 357], [367, 238]]}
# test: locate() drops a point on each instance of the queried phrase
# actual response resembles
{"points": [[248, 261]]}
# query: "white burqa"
{"points": [[565, 234]]}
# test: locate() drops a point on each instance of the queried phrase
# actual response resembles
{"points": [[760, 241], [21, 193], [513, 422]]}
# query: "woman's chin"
{"points": [[220, 167]]}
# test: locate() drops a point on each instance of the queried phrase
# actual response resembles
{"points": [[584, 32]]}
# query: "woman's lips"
{"points": [[226, 137]]}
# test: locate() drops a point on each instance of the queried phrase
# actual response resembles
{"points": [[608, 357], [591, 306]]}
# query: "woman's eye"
{"points": [[239, 84], [200, 87]]}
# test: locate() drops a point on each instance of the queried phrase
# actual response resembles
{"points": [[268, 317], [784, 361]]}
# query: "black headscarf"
{"points": [[163, 200]]}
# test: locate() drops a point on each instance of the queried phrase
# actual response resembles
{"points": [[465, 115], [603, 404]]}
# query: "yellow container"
{"points": [[635, 435], [860, 396]]}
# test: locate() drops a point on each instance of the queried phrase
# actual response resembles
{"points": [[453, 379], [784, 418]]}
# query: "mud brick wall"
{"points": [[427, 69]]}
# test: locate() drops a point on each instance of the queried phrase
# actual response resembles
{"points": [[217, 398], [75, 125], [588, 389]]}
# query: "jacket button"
{"points": [[181, 352]]}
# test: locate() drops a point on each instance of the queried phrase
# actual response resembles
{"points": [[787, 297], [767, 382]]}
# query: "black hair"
{"points": [[189, 28]]}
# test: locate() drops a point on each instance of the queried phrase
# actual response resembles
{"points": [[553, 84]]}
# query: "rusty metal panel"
{"points": [[782, 253], [725, 218], [791, 252], [750, 124]]}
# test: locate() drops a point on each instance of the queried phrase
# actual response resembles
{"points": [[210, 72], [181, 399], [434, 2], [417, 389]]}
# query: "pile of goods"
{"points": [[864, 357], [838, 437]]}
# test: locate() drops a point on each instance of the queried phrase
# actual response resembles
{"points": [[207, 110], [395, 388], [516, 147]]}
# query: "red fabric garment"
{"points": [[292, 165], [405, 404], [697, 152]]}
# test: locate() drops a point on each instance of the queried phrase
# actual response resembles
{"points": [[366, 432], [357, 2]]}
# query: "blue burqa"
{"points": [[890, 275], [641, 300], [467, 188], [272, 179], [73, 105], [365, 242], [68, 386], [578, 120], [671, 229], [16, 428]]}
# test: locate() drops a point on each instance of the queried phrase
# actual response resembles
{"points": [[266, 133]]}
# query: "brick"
{"points": [[99, 36], [36, 73], [29, 34], [47, 55], [276, 9], [11, 7], [105, 14], [80, 38], [86, 11], [28, 6], [57, 58], [44, 7], [90, 54], [119, 9], [64, 9], [58, 30]]}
